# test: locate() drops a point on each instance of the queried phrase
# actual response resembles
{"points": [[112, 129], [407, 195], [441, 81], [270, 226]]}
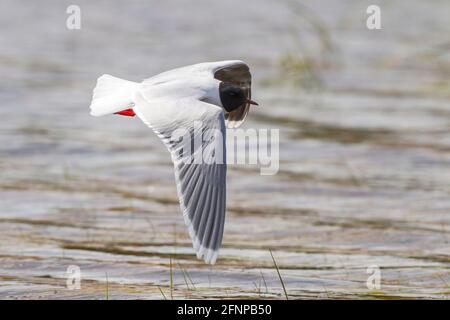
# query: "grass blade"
{"points": [[160, 290], [107, 286], [184, 276], [264, 280], [279, 275], [171, 279]]}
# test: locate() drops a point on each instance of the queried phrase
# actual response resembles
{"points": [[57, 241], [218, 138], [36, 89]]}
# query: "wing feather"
{"points": [[201, 187], [234, 71]]}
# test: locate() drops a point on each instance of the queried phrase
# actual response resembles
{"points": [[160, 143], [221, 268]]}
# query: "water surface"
{"points": [[364, 175]]}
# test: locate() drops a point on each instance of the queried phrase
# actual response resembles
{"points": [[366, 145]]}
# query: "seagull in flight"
{"points": [[173, 104]]}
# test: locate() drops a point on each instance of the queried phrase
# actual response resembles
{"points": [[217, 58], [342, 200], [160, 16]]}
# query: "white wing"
{"points": [[233, 71], [209, 67], [194, 133]]}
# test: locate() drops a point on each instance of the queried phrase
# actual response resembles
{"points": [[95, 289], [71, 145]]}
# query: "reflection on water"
{"points": [[364, 147]]}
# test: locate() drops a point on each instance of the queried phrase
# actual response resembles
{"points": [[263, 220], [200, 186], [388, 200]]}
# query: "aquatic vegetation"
{"points": [[279, 275]]}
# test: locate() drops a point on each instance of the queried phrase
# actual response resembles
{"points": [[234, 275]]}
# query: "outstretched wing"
{"points": [[194, 133], [237, 73]]}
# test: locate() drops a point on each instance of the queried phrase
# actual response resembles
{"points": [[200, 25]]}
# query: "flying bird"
{"points": [[215, 94]]}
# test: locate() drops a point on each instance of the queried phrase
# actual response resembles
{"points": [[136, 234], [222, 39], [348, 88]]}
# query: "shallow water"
{"points": [[364, 177]]}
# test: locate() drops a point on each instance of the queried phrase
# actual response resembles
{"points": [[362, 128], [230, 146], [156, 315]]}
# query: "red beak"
{"points": [[249, 101]]}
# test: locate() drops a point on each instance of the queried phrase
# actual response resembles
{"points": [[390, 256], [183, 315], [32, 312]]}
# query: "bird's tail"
{"points": [[112, 95]]}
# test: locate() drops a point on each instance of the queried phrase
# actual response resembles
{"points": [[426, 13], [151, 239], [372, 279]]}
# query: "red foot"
{"points": [[127, 112]]}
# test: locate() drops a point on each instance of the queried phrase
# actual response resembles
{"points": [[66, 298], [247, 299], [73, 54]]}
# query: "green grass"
{"points": [[107, 287], [279, 275], [162, 293], [187, 278], [171, 278]]}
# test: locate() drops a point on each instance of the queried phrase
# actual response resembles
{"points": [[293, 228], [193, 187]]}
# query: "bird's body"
{"points": [[193, 101]]}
